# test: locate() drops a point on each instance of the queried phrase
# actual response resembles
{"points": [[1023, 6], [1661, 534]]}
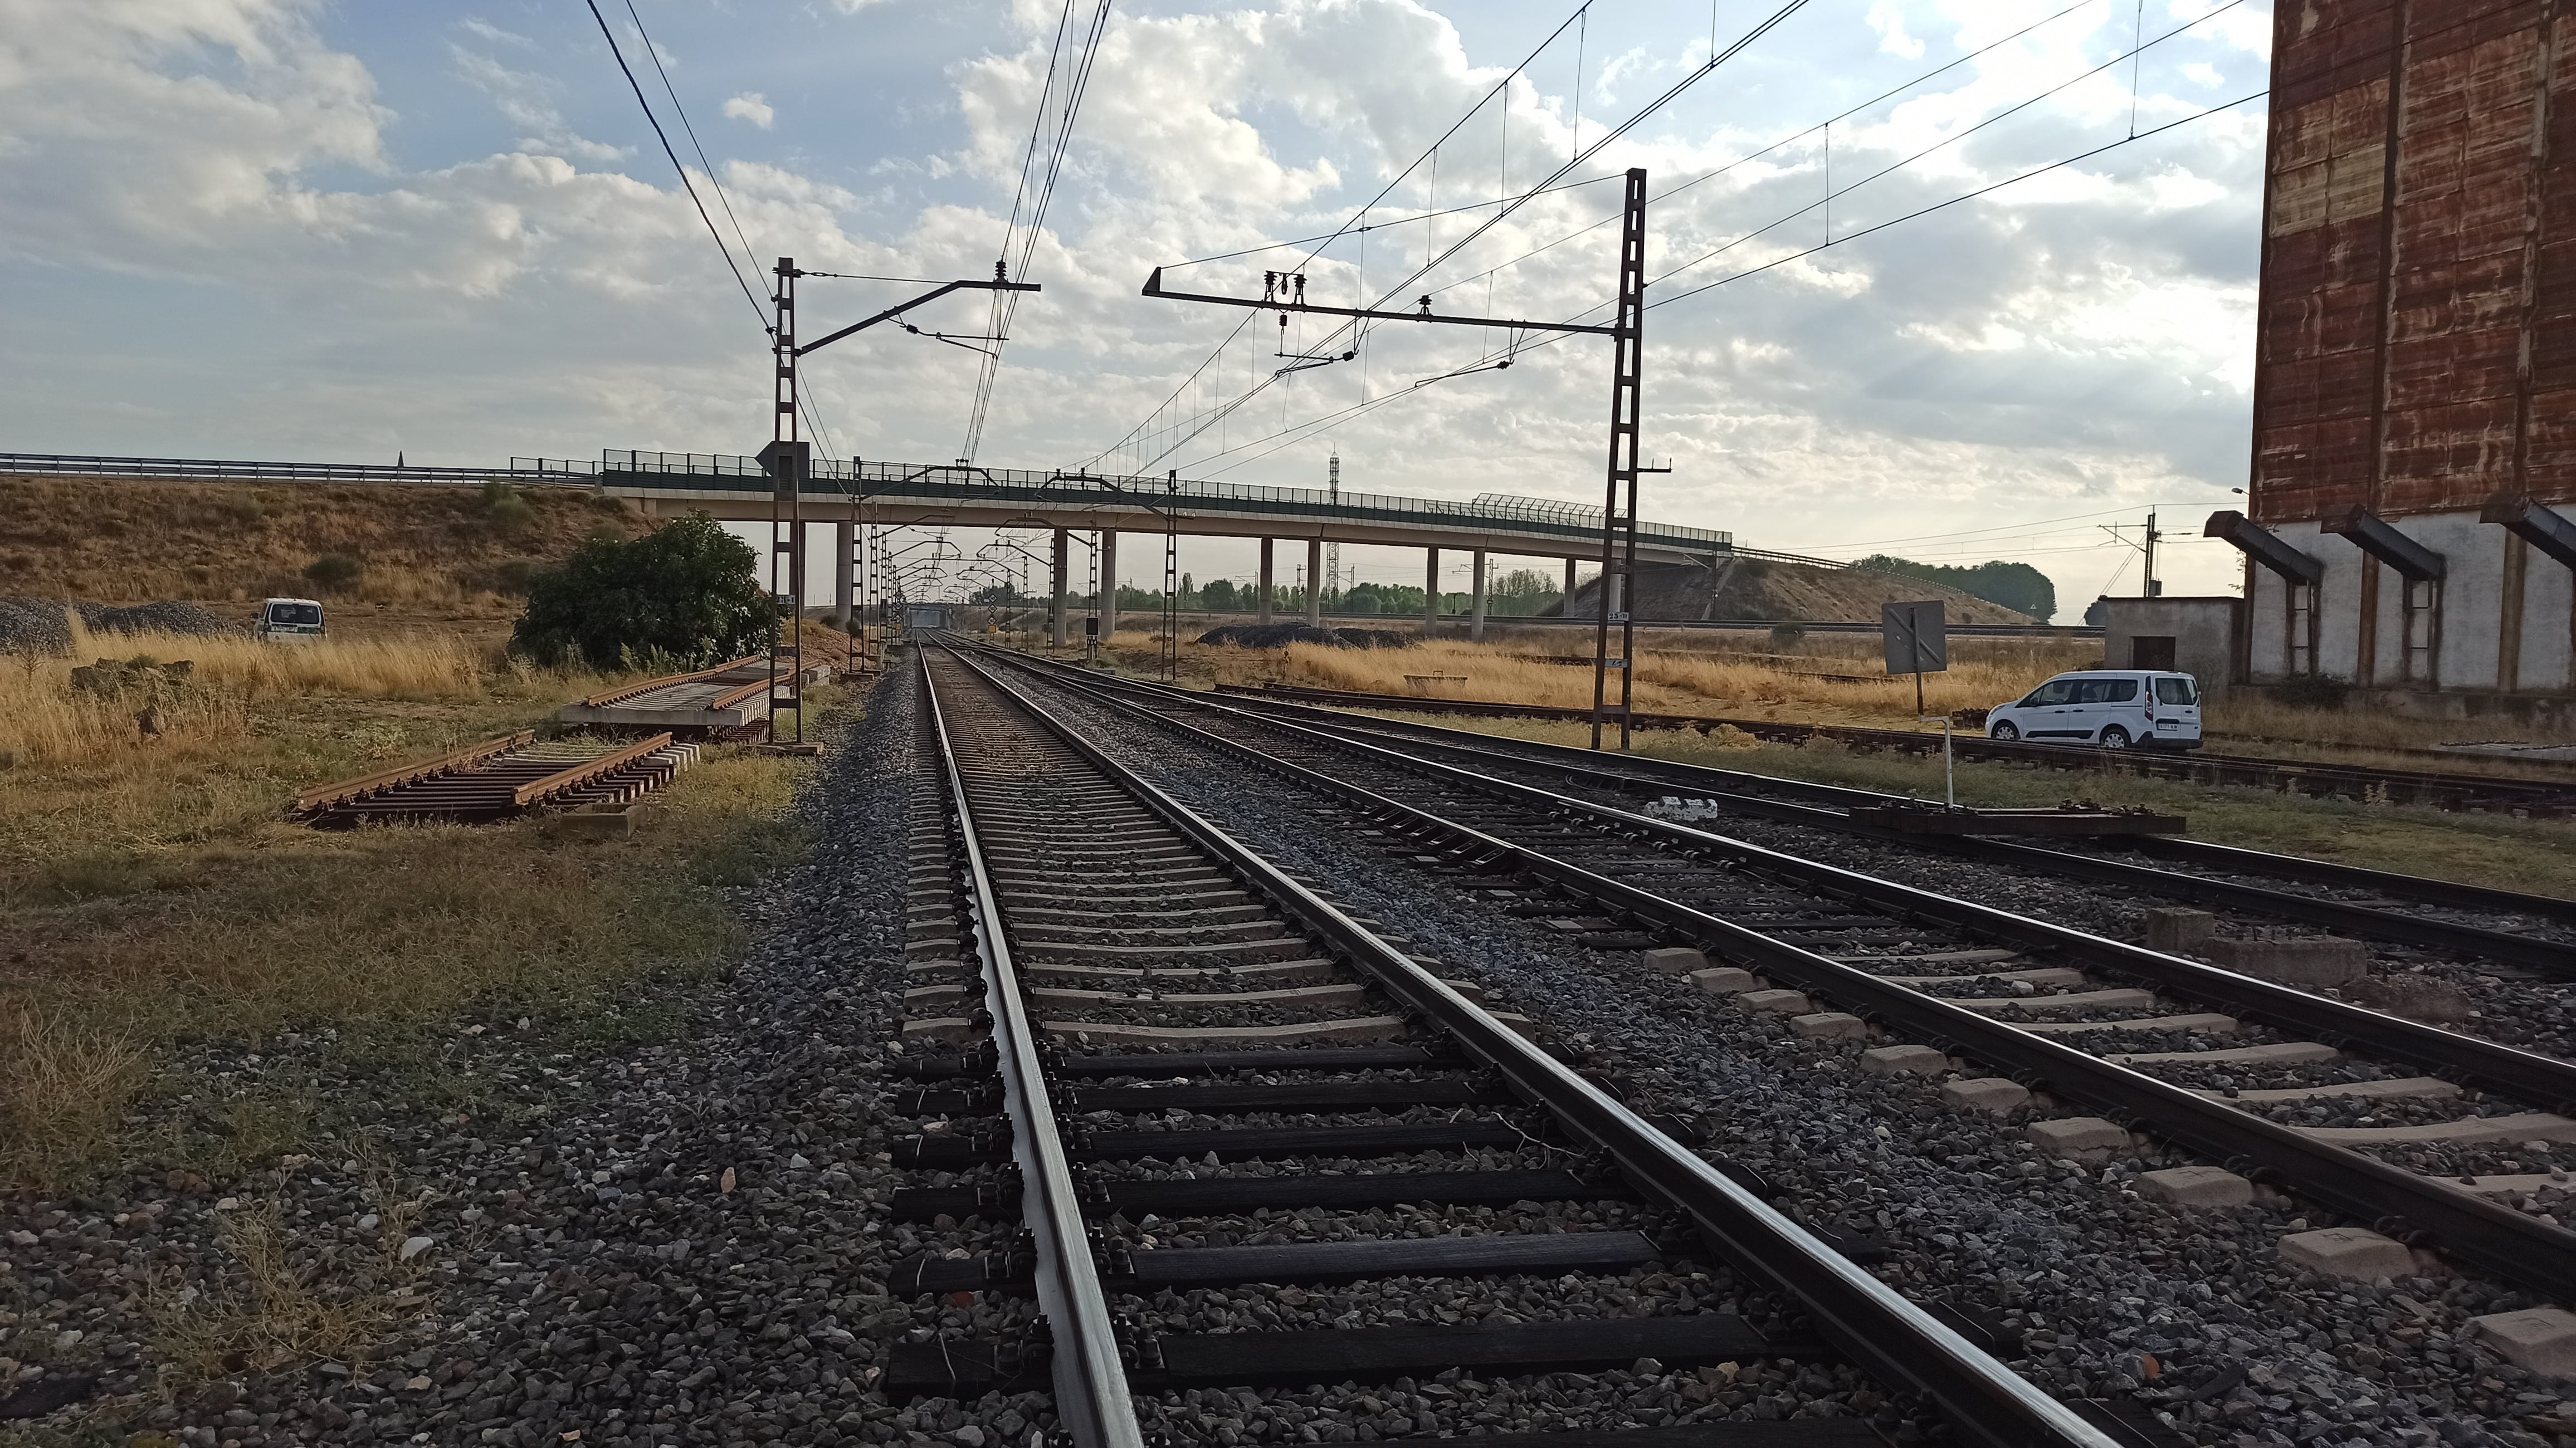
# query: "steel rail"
{"points": [[342, 791], [536, 790], [2225, 769], [628, 691], [2550, 956], [2542, 1080], [2504, 1242], [1891, 1338], [1090, 1375]]}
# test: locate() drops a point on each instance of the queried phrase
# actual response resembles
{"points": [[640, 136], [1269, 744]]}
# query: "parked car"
{"points": [[2114, 708], [288, 620]]}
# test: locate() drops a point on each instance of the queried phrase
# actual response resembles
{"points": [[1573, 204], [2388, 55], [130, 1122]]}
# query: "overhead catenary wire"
{"points": [[805, 409], [1301, 431], [1501, 88], [1333, 340], [664, 137], [1005, 305]]}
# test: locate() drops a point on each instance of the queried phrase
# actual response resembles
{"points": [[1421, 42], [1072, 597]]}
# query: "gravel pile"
{"points": [[2194, 1312], [34, 626], [638, 1245], [43, 625]]}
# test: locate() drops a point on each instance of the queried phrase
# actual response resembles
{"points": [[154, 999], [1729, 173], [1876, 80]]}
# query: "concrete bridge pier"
{"points": [[1476, 599], [1569, 585], [845, 574], [1261, 599], [1057, 622], [1108, 583], [1431, 592], [1315, 582]]}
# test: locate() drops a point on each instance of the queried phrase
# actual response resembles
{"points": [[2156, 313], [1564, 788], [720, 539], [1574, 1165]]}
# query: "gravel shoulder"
{"points": [[654, 1244]]}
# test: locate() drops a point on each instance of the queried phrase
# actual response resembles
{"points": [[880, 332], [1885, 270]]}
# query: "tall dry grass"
{"points": [[44, 720], [1676, 681]]}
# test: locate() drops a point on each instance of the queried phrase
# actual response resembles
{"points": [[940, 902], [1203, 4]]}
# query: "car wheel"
{"points": [[2115, 737], [2005, 732]]}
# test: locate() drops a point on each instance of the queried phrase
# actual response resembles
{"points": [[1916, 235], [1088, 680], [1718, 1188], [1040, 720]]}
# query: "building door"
{"points": [[2152, 651]]}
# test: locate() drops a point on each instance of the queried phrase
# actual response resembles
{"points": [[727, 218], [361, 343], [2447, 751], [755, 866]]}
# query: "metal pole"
{"points": [[786, 513], [1618, 554], [1056, 628]]}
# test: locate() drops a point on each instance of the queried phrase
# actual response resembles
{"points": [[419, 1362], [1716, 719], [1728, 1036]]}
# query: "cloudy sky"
{"points": [[284, 229]]}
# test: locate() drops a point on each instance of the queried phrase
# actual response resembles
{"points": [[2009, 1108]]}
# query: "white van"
{"points": [[288, 620], [2114, 708]]}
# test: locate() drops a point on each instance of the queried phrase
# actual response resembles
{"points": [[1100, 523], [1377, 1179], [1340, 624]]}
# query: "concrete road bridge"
{"points": [[894, 494], [962, 495]]}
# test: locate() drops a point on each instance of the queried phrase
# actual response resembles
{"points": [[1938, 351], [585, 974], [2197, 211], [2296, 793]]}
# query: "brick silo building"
{"points": [[2411, 515]]}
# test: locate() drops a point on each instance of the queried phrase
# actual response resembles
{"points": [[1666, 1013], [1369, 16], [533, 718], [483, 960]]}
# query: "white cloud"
{"points": [[2074, 343], [1888, 19]]}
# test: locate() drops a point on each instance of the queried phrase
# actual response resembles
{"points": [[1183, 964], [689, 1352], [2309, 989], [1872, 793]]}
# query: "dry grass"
{"points": [[1670, 678], [271, 1308], [64, 1087], [2538, 856], [132, 538], [151, 890]]}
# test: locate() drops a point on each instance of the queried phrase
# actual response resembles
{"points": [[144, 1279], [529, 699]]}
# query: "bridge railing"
{"points": [[952, 482]]}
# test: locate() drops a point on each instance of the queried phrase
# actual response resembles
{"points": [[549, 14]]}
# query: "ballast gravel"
{"points": [[2193, 1312], [671, 1244]]}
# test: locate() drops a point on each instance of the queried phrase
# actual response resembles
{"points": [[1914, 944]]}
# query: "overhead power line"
{"points": [[664, 137], [1006, 304]]}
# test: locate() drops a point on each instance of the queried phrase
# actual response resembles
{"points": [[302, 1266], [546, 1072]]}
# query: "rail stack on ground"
{"points": [[500, 778]]}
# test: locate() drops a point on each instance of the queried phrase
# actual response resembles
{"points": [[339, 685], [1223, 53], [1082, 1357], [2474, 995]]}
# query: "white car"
{"points": [[288, 620], [2114, 708]]}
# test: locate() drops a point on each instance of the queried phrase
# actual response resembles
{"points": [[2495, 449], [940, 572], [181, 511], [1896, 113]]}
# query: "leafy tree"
{"points": [[1522, 593], [2016, 586], [335, 572], [687, 591], [1218, 595]]}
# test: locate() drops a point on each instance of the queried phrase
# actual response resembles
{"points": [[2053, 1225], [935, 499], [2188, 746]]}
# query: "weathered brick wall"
{"points": [[2419, 357]]}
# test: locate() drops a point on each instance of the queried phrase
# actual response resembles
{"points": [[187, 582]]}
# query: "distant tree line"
{"points": [[2016, 586]]}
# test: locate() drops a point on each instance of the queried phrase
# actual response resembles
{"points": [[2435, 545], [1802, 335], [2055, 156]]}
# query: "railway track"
{"points": [[2432, 789], [2479, 923], [1249, 1154], [2235, 1070], [499, 778]]}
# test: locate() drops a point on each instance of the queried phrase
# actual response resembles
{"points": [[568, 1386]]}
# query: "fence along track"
{"points": [[2428, 788], [1817, 928], [1039, 799]]}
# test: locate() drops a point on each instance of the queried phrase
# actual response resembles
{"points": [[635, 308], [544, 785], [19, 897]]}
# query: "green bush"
{"points": [[508, 510], [687, 591], [335, 572]]}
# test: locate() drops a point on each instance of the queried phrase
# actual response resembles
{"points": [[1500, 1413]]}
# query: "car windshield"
{"points": [[2055, 691], [2177, 689], [302, 615]]}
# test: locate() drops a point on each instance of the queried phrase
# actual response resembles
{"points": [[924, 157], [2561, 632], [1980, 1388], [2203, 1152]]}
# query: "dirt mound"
{"points": [[1761, 588], [1281, 635], [132, 539]]}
